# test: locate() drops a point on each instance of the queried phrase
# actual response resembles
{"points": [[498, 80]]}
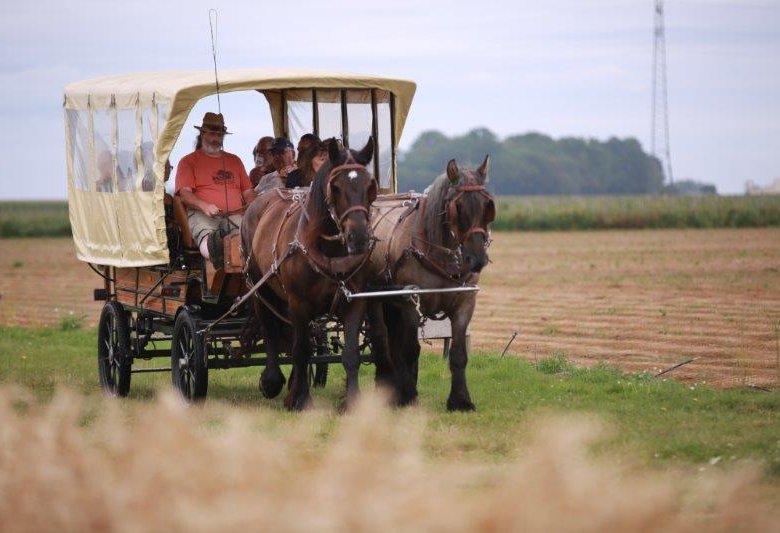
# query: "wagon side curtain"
{"points": [[115, 196]]}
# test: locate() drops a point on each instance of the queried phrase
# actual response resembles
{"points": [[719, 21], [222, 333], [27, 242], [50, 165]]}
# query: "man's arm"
{"points": [[190, 200]]}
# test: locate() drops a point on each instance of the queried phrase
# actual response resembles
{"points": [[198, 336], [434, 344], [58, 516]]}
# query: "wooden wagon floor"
{"points": [[641, 300]]}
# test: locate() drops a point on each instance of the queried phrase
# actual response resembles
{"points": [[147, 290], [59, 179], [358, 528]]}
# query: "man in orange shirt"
{"points": [[214, 186]]}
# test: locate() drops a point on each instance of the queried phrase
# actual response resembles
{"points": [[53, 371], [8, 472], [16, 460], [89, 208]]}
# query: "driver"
{"points": [[214, 186]]}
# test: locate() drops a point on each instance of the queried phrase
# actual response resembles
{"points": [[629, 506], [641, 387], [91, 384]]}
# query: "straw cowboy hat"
{"points": [[213, 122]]}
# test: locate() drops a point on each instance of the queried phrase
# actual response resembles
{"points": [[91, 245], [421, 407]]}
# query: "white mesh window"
{"points": [[147, 150], [359, 118], [385, 143], [78, 131], [105, 168], [329, 107], [126, 165], [300, 119]]}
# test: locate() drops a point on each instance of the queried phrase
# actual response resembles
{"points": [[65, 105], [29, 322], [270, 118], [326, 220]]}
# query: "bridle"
{"points": [[349, 164], [471, 185]]}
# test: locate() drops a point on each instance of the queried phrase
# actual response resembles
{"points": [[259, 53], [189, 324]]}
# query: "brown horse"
{"points": [[310, 245], [435, 240]]}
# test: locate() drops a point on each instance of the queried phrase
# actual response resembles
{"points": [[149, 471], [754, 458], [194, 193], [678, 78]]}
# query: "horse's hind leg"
{"points": [[459, 399], [402, 338], [271, 379], [379, 346]]}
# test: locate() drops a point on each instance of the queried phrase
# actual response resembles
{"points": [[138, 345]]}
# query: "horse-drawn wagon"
{"points": [[120, 131]]}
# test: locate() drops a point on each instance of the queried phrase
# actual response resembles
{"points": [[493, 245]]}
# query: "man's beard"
{"points": [[212, 148]]}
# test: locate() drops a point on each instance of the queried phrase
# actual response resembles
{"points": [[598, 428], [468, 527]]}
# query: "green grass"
{"points": [[50, 219], [635, 212], [659, 422], [34, 219]]}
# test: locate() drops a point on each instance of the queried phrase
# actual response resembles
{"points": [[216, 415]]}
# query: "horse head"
{"points": [[349, 192], [469, 209]]}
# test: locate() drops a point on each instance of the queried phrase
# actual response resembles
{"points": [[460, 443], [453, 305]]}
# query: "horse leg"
{"points": [[271, 379], [402, 352], [298, 397], [459, 399], [353, 318], [409, 344], [379, 345]]}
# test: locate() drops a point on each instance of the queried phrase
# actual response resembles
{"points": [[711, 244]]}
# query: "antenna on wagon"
{"points": [[212, 24]]}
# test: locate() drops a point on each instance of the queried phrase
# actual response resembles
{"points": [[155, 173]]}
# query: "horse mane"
{"points": [[434, 208], [318, 204]]}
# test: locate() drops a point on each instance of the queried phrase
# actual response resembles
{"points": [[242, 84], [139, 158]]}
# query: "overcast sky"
{"points": [[560, 67]]}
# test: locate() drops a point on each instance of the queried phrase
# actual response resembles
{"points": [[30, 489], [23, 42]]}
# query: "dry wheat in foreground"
{"points": [[165, 467]]}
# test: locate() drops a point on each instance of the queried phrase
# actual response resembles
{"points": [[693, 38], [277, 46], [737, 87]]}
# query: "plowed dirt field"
{"points": [[640, 300]]}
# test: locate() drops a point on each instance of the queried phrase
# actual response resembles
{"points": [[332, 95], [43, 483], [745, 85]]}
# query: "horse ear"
{"points": [[452, 172], [364, 156], [484, 169], [334, 154]]}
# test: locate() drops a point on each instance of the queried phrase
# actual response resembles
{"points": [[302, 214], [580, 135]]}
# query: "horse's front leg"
{"points": [[354, 315], [459, 399], [271, 379], [298, 396]]}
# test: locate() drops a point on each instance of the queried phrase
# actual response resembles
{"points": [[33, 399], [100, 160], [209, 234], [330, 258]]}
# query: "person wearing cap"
{"points": [[214, 186], [283, 157], [262, 156]]}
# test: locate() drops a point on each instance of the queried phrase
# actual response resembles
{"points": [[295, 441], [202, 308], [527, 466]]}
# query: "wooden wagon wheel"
{"points": [[189, 372], [114, 358]]}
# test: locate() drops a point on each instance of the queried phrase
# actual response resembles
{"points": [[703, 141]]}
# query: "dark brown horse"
{"points": [[312, 244], [435, 240]]}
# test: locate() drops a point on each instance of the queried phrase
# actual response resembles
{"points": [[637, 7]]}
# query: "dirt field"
{"points": [[642, 300]]}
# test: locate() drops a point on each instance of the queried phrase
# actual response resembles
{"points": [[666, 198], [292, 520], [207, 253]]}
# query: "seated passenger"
{"points": [[309, 162], [214, 186], [262, 157], [283, 158], [307, 148]]}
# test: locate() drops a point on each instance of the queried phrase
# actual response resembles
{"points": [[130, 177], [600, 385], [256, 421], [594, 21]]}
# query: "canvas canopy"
{"points": [[120, 130]]}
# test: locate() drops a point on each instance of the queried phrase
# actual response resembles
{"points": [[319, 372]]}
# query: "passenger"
{"points": [[214, 186], [283, 157], [262, 157], [304, 143], [310, 159]]}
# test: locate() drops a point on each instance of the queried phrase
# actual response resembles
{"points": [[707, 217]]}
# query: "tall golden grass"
{"points": [[68, 465]]}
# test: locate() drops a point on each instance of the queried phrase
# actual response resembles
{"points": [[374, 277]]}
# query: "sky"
{"points": [[579, 68]]}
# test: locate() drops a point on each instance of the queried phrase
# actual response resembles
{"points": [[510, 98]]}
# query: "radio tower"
{"points": [[659, 136]]}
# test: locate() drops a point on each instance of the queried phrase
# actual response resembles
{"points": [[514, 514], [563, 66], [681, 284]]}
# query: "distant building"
{"points": [[753, 189]]}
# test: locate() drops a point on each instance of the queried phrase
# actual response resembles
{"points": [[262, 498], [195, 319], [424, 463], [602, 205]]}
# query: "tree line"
{"points": [[536, 164]]}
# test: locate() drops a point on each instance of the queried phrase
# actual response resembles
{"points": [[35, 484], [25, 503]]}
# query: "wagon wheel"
{"points": [[114, 358], [189, 372]]}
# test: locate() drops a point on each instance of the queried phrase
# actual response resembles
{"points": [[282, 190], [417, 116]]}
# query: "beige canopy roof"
{"points": [[184, 88], [125, 225]]}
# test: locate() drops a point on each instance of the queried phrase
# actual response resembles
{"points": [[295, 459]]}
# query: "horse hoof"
{"points": [[463, 404], [300, 403], [405, 398], [271, 385]]}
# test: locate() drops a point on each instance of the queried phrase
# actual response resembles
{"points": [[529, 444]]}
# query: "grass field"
{"points": [[635, 212], [34, 219], [572, 431], [50, 219], [661, 422]]}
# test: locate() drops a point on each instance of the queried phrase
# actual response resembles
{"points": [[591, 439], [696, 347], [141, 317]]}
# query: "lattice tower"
{"points": [[659, 137]]}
